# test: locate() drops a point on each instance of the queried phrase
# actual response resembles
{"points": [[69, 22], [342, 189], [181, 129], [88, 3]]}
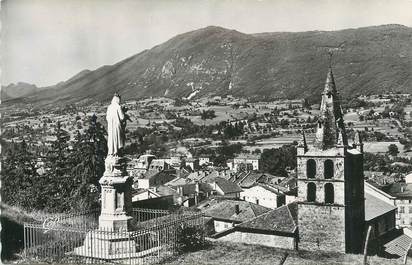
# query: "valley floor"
{"points": [[219, 253]]}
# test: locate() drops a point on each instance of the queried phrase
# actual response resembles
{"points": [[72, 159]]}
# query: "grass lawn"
{"points": [[219, 253]]}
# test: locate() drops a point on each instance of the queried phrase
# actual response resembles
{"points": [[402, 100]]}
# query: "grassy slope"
{"points": [[219, 253]]}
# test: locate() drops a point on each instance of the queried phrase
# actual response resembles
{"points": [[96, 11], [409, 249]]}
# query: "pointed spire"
{"points": [[330, 123]]}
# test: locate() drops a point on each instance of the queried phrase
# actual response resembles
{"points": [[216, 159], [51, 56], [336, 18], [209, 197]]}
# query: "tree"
{"points": [[393, 150], [88, 155], [19, 176], [56, 181], [276, 160], [208, 114]]}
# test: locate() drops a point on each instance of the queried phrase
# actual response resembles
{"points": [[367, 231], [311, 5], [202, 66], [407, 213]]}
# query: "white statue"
{"points": [[116, 124]]}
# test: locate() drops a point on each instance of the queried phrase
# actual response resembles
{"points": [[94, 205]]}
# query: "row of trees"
{"points": [[72, 171]]}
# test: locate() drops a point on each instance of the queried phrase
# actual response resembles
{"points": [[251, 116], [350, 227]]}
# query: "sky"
{"points": [[44, 42]]}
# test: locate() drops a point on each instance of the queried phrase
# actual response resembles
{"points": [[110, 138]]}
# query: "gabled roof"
{"points": [[226, 210], [250, 179], [166, 191], [227, 186], [176, 182], [282, 219], [190, 188], [375, 207]]}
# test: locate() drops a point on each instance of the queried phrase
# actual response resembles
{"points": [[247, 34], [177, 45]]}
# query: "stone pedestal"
{"points": [[116, 196], [113, 240]]}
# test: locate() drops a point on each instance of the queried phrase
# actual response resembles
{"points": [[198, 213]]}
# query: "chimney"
{"points": [[237, 209]]}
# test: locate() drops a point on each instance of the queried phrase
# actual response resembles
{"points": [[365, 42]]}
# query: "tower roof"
{"points": [[330, 129]]}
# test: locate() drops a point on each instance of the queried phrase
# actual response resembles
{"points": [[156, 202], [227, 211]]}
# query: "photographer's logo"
{"points": [[49, 223]]}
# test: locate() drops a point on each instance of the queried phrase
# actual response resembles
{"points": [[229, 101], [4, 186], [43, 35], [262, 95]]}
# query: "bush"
{"points": [[190, 238]]}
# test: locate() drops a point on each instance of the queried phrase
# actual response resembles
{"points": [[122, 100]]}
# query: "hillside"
{"points": [[218, 61]]}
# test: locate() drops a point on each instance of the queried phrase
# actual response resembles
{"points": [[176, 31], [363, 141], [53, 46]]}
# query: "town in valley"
{"points": [[211, 145]]}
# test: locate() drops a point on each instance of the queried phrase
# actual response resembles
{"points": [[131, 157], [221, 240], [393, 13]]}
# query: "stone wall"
{"points": [[321, 227], [260, 239]]}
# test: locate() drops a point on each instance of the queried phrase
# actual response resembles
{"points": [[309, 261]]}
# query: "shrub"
{"points": [[190, 238]]}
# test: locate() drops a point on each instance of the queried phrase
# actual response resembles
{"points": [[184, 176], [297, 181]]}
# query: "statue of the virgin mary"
{"points": [[115, 127]]}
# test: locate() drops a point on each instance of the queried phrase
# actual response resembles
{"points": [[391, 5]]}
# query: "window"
{"points": [[328, 169], [311, 168], [401, 209], [311, 192], [329, 193]]}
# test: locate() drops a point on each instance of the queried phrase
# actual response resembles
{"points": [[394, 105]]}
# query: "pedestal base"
{"points": [[101, 245], [116, 223]]}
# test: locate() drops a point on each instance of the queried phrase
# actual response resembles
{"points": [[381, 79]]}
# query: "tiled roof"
{"points": [[227, 186], [166, 191], [282, 219], [398, 246], [400, 190], [190, 188], [375, 207], [176, 182], [250, 180], [211, 177], [149, 174], [225, 210]]}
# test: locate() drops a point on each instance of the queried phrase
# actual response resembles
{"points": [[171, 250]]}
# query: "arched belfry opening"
{"points": [[311, 192], [329, 193], [328, 170], [311, 168]]}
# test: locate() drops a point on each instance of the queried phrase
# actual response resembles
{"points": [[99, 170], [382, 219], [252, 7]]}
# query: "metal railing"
{"points": [[154, 237]]}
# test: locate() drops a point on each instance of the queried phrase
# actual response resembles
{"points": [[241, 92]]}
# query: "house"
{"points": [[193, 163], [276, 228], [379, 215], [263, 194], [155, 178], [226, 188], [193, 193], [204, 160], [159, 165], [244, 162], [402, 199], [227, 213], [144, 194], [161, 197], [143, 162]]}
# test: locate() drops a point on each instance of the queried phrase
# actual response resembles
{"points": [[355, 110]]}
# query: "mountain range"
{"points": [[219, 61]]}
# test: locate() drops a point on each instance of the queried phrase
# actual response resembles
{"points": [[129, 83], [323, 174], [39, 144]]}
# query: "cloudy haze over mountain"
{"points": [[45, 42]]}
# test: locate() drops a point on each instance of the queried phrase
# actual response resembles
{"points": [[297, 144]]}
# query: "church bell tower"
{"points": [[331, 207]]}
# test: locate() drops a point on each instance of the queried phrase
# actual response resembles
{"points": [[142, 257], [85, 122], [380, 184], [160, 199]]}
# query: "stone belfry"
{"points": [[331, 207]]}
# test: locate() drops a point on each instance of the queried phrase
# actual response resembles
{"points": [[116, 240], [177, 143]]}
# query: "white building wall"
{"points": [[221, 225], [260, 196]]}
